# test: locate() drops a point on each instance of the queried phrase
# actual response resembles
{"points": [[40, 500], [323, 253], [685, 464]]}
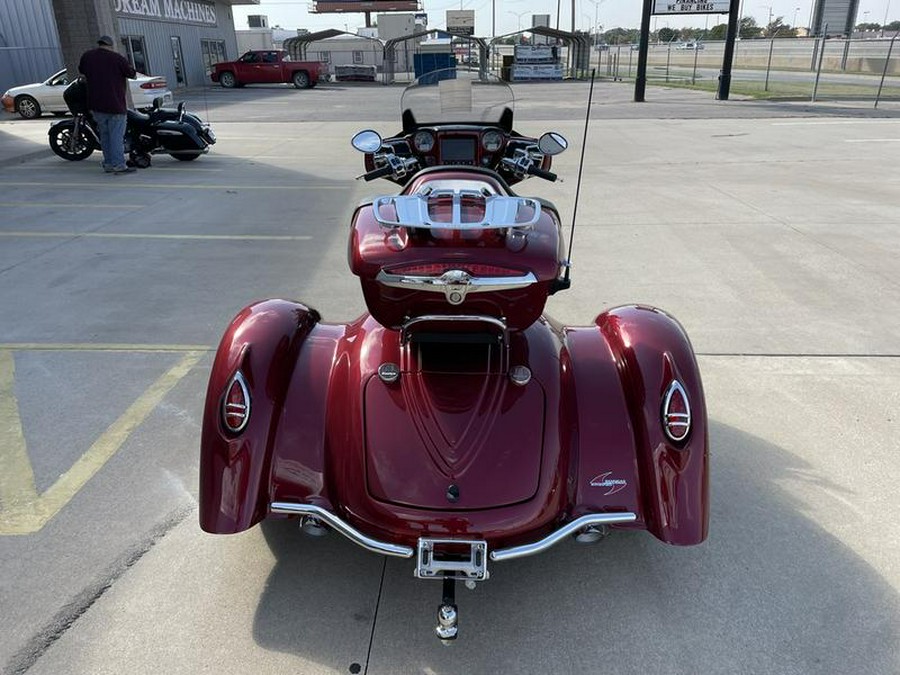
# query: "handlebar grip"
{"points": [[385, 170], [540, 173]]}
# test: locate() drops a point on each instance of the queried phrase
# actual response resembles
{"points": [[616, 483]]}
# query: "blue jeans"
{"points": [[112, 139]]}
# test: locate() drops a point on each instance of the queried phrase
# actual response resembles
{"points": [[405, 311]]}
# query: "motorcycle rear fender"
{"points": [[186, 129], [626, 461], [262, 343]]}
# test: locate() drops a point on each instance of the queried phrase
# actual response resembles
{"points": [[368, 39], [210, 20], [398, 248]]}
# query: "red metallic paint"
{"points": [[602, 387], [585, 435]]}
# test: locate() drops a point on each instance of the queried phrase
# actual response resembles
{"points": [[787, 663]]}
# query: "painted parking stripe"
{"points": [[17, 489], [115, 184], [99, 347], [26, 512], [133, 235], [57, 205]]}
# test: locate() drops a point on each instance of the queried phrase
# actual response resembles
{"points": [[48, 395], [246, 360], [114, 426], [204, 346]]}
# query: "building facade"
{"points": [[177, 39], [29, 43]]}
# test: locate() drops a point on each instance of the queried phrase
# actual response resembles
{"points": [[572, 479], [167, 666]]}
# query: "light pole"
{"points": [[596, 4], [886, 10], [518, 16], [769, 7], [794, 20]]}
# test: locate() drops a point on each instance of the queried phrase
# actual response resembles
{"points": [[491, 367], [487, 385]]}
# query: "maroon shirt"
{"points": [[105, 71]]}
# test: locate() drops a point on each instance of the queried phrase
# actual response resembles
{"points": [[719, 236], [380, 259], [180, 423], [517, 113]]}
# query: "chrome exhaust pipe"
{"points": [[312, 526], [591, 534]]}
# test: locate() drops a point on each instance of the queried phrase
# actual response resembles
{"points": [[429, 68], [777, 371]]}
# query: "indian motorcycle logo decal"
{"points": [[614, 485]]}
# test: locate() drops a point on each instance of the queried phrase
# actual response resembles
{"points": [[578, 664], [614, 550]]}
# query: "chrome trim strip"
{"points": [[455, 281], [344, 528], [562, 533]]}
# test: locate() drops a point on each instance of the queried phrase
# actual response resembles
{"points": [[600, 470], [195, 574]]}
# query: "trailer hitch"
{"points": [[448, 615]]}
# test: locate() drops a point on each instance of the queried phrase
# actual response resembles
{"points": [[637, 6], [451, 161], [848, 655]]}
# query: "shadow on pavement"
{"points": [[770, 591]]}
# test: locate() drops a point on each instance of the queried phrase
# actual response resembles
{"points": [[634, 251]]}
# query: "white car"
{"points": [[33, 100]]}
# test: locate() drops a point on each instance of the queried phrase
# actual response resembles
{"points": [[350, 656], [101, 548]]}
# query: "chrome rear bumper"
{"points": [[400, 551]]}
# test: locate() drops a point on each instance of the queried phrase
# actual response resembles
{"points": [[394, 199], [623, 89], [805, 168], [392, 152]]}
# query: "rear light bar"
{"points": [[475, 269], [155, 84]]}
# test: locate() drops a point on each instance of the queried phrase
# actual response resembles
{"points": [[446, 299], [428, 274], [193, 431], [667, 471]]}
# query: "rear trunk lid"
{"points": [[445, 437]]}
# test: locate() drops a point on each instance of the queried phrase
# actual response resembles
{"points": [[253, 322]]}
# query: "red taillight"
{"points": [[474, 269], [154, 84], [236, 404], [676, 412]]}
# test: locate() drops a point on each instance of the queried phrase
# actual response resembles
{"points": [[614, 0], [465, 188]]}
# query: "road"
{"points": [[770, 231]]}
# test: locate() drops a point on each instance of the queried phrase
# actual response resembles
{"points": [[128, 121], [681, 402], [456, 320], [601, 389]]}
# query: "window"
{"points": [[270, 57], [136, 53], [250, 57], [178, 61], [325, 57], [357, 57], [212, 51]]}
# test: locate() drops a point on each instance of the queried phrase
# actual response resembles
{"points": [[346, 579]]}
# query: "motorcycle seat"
{"points": [[135, 116]]}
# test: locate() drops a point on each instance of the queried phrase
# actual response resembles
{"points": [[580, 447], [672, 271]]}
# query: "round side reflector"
{"points": [[676, 412], [236, 404]]}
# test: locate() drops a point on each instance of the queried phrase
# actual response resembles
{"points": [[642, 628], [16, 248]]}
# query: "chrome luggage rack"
{"points": [[500, 211]]}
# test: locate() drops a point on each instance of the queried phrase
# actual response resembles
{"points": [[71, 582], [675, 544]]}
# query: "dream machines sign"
{"points": [[182, 11]]}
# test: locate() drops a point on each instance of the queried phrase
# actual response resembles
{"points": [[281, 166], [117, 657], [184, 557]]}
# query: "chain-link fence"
{"points": [[800, 68]]}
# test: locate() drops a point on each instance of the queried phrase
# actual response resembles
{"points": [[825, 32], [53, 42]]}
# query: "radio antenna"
{"points": [[566, 283]]}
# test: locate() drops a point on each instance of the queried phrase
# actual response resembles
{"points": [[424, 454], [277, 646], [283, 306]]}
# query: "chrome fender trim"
{"points": [[400, 551], [560, 534], [345, 529]]}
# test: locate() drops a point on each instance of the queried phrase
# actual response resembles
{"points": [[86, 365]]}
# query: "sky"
{"points": [[511, 14]]}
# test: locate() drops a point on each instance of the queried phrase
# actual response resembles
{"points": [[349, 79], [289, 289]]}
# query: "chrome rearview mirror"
{"points": [[367, 141], [552, 143]]}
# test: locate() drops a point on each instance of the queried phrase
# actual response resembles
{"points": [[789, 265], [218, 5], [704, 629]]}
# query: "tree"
{"points": [[777, 28], [748, 28], [893, 25], [718, 32], [619, 36], [667, 34], [868, 26]]}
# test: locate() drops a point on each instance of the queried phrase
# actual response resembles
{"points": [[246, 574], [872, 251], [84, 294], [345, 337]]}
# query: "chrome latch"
{"points": [[456, 285]]}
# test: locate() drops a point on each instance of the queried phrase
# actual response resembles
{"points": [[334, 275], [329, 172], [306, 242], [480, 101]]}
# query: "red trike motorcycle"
{"points": [[455, 424]]}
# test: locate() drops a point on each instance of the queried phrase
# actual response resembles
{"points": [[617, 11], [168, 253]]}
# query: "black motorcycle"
{"points": [[172, 131]]}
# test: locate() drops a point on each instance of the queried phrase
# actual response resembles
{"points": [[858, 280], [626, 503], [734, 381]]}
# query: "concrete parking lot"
{"points": [[770, 230]]}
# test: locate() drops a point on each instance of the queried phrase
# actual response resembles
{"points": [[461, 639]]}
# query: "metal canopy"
{"points": [[297, 46], [390, 47], [579, 45]]}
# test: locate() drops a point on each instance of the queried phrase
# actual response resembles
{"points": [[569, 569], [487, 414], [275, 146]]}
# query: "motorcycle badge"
{"points": [[604, 481]]}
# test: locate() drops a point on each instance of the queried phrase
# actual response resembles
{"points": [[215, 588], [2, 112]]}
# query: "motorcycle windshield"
{"points": [[457, 96]]}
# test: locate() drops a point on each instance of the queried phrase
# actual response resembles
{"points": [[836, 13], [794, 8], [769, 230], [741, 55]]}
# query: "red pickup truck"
{"points": [[266, 66]]}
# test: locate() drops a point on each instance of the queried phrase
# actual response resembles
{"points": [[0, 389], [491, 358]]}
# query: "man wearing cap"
{"points": [[106, 71]]}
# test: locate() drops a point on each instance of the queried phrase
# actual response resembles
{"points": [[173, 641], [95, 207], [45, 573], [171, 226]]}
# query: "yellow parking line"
{"points": [[16, 476], [43, 205], [99, 347], [132, 235], [25, 518], [117, 185]]}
